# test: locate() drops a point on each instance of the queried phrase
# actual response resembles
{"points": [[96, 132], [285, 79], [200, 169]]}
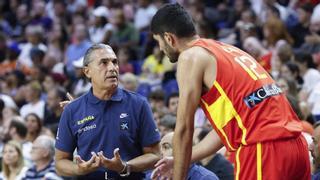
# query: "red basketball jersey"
{"points": [[245, 106]]}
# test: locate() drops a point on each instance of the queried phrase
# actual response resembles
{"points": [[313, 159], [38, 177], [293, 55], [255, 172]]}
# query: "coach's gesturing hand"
{"points": [[114, 164], [85, 167]]}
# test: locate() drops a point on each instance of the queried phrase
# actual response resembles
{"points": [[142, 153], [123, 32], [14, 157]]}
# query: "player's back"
{"points": [[245, 105]]}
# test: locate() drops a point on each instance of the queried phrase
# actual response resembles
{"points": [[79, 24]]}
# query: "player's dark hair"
{"points": [[173, 18]]}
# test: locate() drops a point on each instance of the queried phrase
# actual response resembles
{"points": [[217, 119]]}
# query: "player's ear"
{"points": [[169, 38]]}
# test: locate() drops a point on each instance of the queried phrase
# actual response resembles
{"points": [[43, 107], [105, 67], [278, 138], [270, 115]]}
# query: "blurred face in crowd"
{"points": [[283, 84], [119, 18], [315, 147], [32, 123], [103, 69], [53, 99], [38, 152], [10, 155], [80, 32], [166, 145], [173, 105], [167, 47], [31, 94], [286, 73], [251, 45], [48, 83], [303, 16]]}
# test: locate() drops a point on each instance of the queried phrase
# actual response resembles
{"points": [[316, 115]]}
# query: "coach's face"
{"points": [[166, 44], [103, 69]]}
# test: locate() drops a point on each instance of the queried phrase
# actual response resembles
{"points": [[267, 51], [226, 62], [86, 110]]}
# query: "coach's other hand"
{"points": [[114, 164], [64, 103], [85, 167]]}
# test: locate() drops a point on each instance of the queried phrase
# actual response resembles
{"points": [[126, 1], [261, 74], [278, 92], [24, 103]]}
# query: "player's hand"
{"points": [[114, 164], [64, 103], [85, 167], [163, 169]]}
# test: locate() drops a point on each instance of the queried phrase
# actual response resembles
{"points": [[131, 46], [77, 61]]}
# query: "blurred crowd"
{"points": [[42, 43]]}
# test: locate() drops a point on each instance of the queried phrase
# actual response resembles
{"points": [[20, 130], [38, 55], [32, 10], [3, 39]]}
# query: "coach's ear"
{"points": [[86, 71], [170, 39]]}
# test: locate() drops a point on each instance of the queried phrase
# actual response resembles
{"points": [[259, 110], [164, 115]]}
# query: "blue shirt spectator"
{"points": [[48, 172]]}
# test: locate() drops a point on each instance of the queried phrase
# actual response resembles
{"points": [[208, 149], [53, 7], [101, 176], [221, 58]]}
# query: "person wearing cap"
{"points": [[101, 29], [112, 129], [82, 85]]}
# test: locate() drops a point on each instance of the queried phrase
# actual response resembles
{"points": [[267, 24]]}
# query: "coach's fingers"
{"points": [[69, 96], [79, 160]]}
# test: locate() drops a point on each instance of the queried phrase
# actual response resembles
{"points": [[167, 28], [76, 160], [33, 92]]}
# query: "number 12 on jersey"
{"points": [[250, 66]]}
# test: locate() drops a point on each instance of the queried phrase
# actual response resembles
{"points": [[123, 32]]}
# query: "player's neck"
{"points": [[186, 43]]}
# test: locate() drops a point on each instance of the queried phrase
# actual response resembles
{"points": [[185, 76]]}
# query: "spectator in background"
{"points": [[34, 103], [195, 172], [57, 43], [290, 71], [253, 46], [42, 155], [124, 56], [157, 100], [315, 152], [172, 103], [301, 29], [216, 163], [34, 126], [155, 65], [129, 82], [124, 34], [83, 84], [34, 36], [12, 163], [18, 132], [307, 71], [9, 64], [144, 14], [275, 30], [53, 110], [39, 16], [77, 48], [167, 124], [101, 30]]}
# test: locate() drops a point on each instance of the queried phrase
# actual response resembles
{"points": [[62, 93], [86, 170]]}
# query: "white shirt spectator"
{"points": [[37, 108], [310, 79], [20, 176], [97, 34], [24, 57], [143, 16], [314, 99]]}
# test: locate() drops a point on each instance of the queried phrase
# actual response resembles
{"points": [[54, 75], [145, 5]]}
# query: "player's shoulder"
{"points": [[196, 53]]}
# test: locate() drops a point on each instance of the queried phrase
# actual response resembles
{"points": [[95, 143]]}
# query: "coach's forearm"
{"points": [[208, 146], [66, 167]]}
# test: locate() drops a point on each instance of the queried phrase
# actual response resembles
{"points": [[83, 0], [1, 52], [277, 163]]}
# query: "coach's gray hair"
{"points": [[47, 142], [87, 57]]}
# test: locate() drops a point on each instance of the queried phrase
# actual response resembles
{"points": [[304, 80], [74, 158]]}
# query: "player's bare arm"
{"points": [[190, 75]]}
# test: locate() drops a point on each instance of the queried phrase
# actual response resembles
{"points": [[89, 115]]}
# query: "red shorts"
{"points": [[282, 159]]}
